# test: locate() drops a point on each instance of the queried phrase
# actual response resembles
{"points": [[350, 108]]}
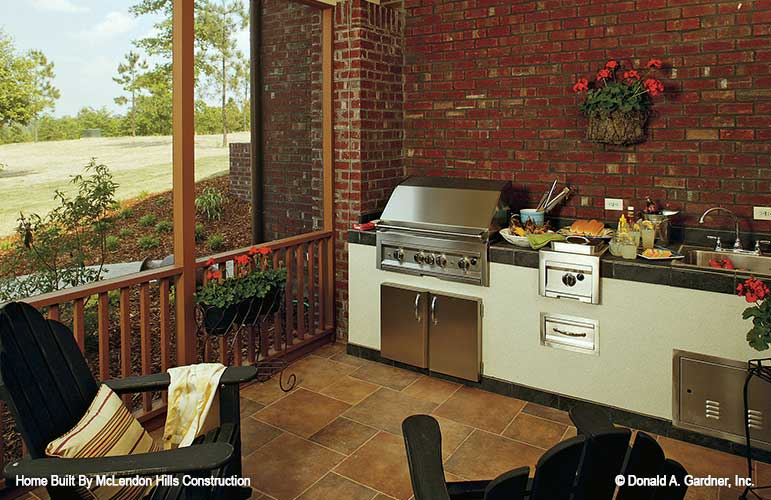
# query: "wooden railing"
{"points": [[126, 326]]}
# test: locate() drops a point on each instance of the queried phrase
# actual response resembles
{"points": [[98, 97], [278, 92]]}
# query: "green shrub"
{"points": [[200, 233], [165, 226], [112, 243], [147, 220], [149, 242], [142, 195], [211, 203], [216, 242], [162, 201], [126, 233], [125, 213], [7, 244]]}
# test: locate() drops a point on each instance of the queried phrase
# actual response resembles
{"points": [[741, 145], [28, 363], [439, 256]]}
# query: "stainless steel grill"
{"points": [[442, 227]]}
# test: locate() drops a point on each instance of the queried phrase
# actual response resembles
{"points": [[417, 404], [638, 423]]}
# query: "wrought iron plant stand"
{"points": [[760, 368]]}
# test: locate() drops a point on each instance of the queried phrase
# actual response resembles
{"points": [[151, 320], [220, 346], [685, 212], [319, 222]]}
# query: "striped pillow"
{"points": [[107, 429]]}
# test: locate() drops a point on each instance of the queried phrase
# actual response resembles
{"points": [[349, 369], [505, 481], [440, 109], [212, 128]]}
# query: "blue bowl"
{"points": [[530, 213]]}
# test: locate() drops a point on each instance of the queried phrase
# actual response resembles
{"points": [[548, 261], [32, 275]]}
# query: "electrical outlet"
{"points": [[614, 204], [762, 213]]}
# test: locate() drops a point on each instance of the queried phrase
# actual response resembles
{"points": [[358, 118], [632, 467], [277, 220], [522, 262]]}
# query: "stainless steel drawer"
{"points": [[570, 332]]}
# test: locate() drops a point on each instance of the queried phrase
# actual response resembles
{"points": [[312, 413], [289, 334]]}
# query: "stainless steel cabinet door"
{"points": [[403, 335], [454, 339]]}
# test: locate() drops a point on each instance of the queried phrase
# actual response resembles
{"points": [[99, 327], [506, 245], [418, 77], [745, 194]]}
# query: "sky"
{"points": [[86, 40]]}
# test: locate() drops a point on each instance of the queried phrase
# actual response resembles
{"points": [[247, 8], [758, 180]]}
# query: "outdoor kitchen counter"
{"points": [[643, 271]]}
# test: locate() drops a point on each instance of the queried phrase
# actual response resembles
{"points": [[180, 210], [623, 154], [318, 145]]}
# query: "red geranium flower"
{"points": [[242, 259], [752, 290], [253, 251], [653, 86], [265, 251], [654, 63], [581, 85], [603, 73], [628, 75], [214, 275], [612, 64], [210, 262]]}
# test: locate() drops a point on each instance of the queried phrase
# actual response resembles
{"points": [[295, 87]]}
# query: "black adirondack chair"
{"points": [[48, 387], [644, 458], [572, 469]]}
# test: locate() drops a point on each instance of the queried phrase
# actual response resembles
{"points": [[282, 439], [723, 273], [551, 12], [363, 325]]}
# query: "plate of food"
{"points": [[588, 228], [517, 233], [660, 253]]}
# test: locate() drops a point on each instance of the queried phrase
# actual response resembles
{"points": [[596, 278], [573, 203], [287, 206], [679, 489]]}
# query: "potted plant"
{"points": [[756, 292], [252, 292], [618, 102]]}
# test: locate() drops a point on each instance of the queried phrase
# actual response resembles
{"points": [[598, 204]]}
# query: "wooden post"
{"points": [[327, 43], [184, 176]]}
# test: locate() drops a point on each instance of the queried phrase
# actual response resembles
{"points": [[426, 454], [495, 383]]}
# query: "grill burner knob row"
{"points": [[441, 260]]}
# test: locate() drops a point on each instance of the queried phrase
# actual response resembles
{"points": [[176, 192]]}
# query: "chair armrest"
{"points": [[196, 458], [590, 420], [512, 485], [160, 381], [467, 490]]}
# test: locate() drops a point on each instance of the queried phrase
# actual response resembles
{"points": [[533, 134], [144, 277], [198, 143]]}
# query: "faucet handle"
{"points": [[760, 242], [718, 243]]}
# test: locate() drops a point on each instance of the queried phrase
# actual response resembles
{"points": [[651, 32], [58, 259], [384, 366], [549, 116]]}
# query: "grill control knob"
{"points": [[441, 260], [464, 264], [568, 279], [473, 261], [430, 259], [399, 254], [420, 257], [580, 277]]}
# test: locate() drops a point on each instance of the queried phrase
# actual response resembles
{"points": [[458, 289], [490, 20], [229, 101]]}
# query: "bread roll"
{"points": [[587, 227]]}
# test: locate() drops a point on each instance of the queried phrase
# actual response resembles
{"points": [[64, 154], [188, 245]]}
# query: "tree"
{"points": [[16, 85], [242, 79], [222, 20], [129, 74], [44, 94]]}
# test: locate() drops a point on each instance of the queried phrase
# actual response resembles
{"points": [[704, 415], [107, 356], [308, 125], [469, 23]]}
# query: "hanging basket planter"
{"points": [[617, 128]]}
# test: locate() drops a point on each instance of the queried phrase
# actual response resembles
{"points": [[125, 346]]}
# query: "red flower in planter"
{"points": [[253, 251], [631, 74], [603, 74], [214, 275], [210, 262], [612, 64], [654, 63], [653, 86], [242, 259], [582, 85], [752, 290]]}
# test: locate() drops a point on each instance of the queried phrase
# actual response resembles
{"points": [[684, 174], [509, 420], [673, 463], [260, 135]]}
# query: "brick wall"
{"points": [[488, 94], [240, 171], [369, 120]]}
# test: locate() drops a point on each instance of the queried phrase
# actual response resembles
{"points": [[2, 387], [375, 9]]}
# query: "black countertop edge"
{"points": [[657, 273], [628, 418]]}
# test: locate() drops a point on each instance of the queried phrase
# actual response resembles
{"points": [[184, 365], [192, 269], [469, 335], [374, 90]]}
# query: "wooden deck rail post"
{"points": [[184, 177]]}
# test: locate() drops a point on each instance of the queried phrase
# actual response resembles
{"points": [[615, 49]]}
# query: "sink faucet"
{"points": [[737, 242]]}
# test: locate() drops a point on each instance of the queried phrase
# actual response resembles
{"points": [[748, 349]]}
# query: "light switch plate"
{"points": [[762, 213], [615, 204]]}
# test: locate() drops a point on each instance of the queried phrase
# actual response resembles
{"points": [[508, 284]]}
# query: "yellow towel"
{"points": [[192, 394]]}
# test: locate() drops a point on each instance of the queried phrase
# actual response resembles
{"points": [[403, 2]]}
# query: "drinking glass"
{"points": [[648, 234]]}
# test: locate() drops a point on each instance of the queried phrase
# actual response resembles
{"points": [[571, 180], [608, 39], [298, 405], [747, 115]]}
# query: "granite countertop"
{"points": [[644, 271]]}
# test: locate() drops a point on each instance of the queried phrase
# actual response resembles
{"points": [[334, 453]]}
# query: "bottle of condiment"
{"points": [[622, 225], [630, 216]]}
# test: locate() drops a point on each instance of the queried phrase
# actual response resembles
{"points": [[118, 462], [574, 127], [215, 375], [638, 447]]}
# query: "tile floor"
{"points": [[337, 435]]}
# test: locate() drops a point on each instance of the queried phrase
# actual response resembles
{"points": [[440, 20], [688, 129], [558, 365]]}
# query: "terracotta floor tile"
{"points": [[388, 376], [249, 407], [329, 350], [255, 434], [303, 412], [380, 464], [535, 431], [316, 373], [571, 432], [267, 392], [344, 435], [349, 389], [333, 486], [346, 358], [431, 389], [386, 409], [288, 465], [485, 456], [480, 409], [381, 496], [453, 434], [548, 413]]}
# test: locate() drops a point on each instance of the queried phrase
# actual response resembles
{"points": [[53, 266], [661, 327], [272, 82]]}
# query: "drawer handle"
{"points": [[569, 334], [417, 308]]}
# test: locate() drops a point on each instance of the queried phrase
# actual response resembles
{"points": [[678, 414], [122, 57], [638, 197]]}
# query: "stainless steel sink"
{"points": [[699, 257]]}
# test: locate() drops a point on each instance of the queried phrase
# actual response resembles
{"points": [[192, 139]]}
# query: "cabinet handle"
{"points": [[569, 334], [417, 308], [433, 311]]}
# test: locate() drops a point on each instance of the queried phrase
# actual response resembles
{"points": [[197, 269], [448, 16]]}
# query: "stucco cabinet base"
{"points": [[641, 325]]}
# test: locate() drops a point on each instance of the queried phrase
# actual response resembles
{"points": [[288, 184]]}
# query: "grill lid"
{"points": [[470, 207]]}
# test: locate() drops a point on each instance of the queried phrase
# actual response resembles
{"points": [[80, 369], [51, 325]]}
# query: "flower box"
{"points": [[619, 128]]}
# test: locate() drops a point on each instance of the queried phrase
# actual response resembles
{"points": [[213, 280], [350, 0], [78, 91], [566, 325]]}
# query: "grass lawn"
{"points": [[141, 164]]}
